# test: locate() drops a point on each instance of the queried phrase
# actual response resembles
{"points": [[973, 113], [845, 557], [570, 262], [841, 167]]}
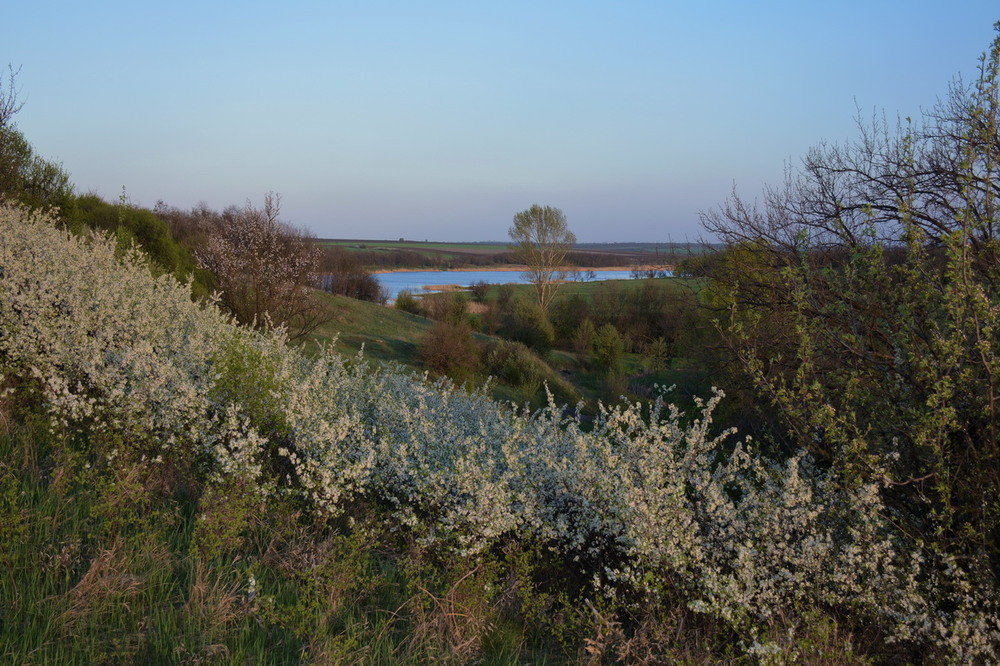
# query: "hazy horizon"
{"points": [[441, 120]]}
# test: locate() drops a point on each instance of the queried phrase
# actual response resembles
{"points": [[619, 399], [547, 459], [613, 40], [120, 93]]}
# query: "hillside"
{"points": [[201, 491]]}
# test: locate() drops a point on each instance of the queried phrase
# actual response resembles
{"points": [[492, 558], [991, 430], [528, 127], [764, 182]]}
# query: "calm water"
{"points": [[415, 281]]}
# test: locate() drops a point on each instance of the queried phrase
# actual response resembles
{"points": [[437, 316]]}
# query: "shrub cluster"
{"points": [[640, 312], [344, 274]]}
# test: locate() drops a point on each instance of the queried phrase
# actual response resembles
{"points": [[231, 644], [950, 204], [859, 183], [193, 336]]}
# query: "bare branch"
{"points": [[9, 104]]}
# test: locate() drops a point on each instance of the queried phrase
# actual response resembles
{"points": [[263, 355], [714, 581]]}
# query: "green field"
{"points": [[415, 245], [588, 289], [464, 248]]}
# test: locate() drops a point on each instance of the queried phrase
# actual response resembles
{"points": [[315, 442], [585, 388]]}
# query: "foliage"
{"points": [[583, 338], [530, 325], [449, 350], [505, 298], [407, 302], [344, 275], [479, 291], [567, 313], [540, 239], [865, 305], [24, 175], [607, 349], [512, 363], [646, 510], [656, 354], [267, 271], [449, 307], [641, 310], [148, 230]]}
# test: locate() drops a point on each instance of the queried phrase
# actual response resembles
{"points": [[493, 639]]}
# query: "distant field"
{"points": [[493, 247], [648, 248], [588, 289], [447, 248], [410, 253]]}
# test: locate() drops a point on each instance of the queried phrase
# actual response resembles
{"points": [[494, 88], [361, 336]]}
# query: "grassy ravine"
{"points": [[385, 334]]}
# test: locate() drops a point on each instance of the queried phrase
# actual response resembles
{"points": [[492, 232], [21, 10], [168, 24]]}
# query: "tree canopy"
{"points": [[540, 240], [266, 269]]}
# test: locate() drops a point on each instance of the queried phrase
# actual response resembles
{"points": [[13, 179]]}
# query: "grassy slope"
{"points": [[387, 334]]}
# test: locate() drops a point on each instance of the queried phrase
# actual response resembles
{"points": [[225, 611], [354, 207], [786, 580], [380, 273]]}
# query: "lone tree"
{"points": [[541, 241]]}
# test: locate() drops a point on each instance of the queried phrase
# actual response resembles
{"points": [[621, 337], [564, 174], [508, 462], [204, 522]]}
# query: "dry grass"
{"points": [[106, 584], [214, 603], [455, 621]]}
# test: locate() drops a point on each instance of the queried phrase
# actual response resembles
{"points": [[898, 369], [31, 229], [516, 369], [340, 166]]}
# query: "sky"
{"points": [[440, 120]]}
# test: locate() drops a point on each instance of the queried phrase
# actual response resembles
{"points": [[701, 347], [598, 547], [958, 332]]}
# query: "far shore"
{"points": [[516, 269]]}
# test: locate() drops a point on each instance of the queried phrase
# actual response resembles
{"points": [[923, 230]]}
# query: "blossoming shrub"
{"points": [[649, 505]]}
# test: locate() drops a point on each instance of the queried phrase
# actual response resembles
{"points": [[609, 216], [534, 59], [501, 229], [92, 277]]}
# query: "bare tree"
{"points": [[24, 175], [14, 149], [541, 240], [267, 270], [9, 103]]}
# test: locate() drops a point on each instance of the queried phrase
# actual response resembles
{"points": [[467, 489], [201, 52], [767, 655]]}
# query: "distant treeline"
{"points": [[388, 259], [601, 259], [375, 259]]}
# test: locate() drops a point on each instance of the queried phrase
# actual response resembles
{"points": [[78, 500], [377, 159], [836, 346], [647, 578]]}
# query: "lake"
{"points": [[415, 281]]}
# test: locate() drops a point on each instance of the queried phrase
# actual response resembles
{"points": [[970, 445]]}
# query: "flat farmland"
{"points": [[424, 246], [410, 253]]}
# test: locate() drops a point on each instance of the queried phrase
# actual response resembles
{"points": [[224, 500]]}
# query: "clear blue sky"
{"points": [[440, 120]]}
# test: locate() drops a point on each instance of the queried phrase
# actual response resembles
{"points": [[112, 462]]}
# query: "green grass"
{"points": [[386, 334], [430, 251], [113, 563], [96, 571], [587, 289]]}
